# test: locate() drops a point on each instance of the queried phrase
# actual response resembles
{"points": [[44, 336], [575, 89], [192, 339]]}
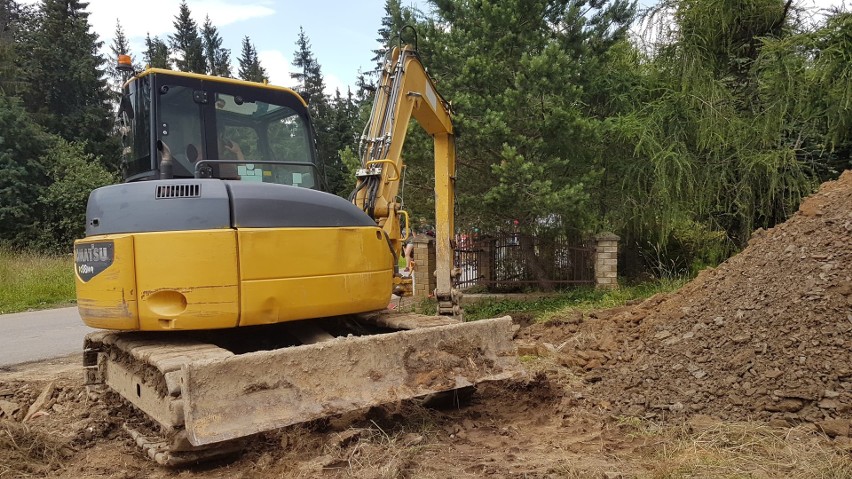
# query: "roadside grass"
{"points": [[551, 308], [34, 281]]}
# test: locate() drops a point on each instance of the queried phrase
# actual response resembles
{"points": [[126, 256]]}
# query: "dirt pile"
{"points": [[766, 335]]}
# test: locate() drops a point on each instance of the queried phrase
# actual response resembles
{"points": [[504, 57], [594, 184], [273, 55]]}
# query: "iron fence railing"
{"points": [[508, 261]]}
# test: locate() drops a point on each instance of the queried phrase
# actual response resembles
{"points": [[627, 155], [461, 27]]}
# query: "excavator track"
{"points": [[207, 393]]}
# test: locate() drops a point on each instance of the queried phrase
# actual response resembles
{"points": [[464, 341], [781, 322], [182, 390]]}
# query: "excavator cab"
{"points": [[222, 129]]}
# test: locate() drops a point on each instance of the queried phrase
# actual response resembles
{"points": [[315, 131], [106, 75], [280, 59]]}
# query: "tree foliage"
{"points": [[66, 89], [250, 67], [187, 45], [218, 59], [157, 53]]}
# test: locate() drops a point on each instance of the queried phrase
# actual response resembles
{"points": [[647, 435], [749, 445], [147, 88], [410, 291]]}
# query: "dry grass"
{"points": [[28, 453], [34, 281], [747, 450]]}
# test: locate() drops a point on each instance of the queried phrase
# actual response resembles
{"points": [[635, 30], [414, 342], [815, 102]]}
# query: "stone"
{"points": [[9, 408], [40, 401], [834, 427], [785, 405]]}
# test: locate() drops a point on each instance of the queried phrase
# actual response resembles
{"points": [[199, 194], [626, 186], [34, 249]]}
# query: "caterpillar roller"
{"points": [[234, 296]]}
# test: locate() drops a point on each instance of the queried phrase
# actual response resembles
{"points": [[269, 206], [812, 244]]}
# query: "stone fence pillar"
{"points": [[425, 281], [484, 260], [606, 260]]}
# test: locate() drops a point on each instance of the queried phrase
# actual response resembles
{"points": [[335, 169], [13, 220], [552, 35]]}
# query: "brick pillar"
{"points": [[425, 281], [606, 260]]}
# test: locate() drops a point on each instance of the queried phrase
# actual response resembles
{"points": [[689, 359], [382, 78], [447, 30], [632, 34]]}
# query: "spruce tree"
{"points": [[120, 46], [396, 16], [324, 113], [65, 74], [156, 53], [10, 76], [187, 45], [218, 59], [308, 73], [250, 68]]}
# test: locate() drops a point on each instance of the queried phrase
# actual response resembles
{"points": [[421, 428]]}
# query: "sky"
{"points": [[342, 32]]}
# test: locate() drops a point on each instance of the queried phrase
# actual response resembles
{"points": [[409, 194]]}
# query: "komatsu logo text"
{"points": [[92, 258]]}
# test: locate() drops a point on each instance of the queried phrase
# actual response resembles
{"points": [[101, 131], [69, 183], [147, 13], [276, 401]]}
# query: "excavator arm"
{"points": [[406, 91]]}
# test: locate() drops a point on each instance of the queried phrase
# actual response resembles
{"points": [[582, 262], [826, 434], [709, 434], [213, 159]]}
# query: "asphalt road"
{"points": [[37, 335]]}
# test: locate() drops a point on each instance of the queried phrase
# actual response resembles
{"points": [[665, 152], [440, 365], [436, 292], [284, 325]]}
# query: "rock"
{"points": [[785, 405], [830, 394], [773, 374], [8, 409], [662, 335], [40, 401], [834, 427], [829, 404]]}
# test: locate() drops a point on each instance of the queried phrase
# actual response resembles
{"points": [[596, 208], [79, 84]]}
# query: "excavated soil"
{"points": [[767, 335], [744, 372]]}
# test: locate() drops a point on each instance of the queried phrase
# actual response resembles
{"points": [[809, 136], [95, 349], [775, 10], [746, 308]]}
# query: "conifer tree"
{"points": [[156, 53], [10, 76], [119, 46], [309, 74], [66, 90], [250, 68], [396, 16], [218, 59], [187, 46]]}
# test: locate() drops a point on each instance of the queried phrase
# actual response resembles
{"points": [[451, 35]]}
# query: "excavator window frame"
{"points": [[209, 131]]}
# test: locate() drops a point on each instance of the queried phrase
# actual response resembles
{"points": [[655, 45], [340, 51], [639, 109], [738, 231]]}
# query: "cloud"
{"points": [[157, 16], [277, 66]]}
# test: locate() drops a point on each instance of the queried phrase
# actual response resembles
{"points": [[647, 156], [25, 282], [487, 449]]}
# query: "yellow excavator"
{"points": [[235, 296]]}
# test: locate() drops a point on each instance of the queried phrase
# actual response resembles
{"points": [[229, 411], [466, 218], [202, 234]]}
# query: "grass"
{"points": [[747, 450], [34, 281], [550, 307]]}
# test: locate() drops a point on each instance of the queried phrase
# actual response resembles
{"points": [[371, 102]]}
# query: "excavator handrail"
{"points": [[389, 162]]}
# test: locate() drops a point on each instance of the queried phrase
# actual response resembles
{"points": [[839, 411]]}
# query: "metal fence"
{"points": [[514, 261]]}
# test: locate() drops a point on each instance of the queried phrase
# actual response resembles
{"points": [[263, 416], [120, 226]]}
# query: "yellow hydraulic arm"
{"points": [[406, 91]]}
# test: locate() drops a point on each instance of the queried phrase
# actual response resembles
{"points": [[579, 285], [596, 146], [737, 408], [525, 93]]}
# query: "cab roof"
{"points": [[231, 81]]}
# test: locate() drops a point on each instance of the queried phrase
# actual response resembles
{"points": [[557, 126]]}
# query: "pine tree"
{"points": [[9, 25], [22, 145], [156, 53], [250, 68], [186, 43], [308, 73], [396, 16], [65, 73], [324, 113], [218, 59], [120, 46]]}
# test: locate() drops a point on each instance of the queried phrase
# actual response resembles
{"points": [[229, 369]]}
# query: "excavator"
{"points": [[234, 296]]}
